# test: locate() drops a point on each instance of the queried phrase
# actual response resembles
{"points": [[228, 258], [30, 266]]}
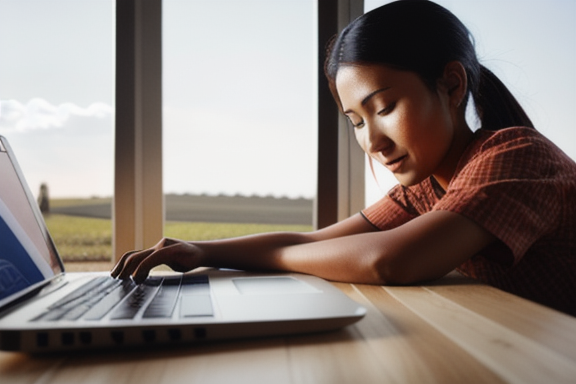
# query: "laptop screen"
{"points": [[27, 255]]}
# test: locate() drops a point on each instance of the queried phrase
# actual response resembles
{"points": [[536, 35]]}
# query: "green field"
{"points": [[80, 238], [90, 239]]}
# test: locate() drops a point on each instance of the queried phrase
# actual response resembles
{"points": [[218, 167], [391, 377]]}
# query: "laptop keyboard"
{"points": [[157, 297]]}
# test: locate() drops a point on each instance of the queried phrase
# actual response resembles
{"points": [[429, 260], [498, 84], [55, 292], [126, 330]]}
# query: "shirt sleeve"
{"points": [[401, 205], [510, 187], [386, 214]]}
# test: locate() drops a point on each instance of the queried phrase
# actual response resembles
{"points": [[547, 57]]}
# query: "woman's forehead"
{"points": [[363, 79]]}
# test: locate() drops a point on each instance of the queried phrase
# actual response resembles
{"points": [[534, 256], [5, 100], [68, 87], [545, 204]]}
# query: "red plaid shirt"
{"points": [[520, 187]]}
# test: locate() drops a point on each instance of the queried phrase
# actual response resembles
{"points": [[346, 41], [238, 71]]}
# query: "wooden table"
{"points": [[453, 331]]}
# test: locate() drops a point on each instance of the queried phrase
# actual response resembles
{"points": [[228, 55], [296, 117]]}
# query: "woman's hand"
{"points": [[276, 251], [179, 255]]}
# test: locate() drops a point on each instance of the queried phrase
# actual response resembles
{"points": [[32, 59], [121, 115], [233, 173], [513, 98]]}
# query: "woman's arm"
{"points": [[248, 252], [425, 248]]}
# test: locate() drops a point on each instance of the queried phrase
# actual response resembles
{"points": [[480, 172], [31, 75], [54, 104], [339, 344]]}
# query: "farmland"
{"points": [[204, 208], [82, 228]]}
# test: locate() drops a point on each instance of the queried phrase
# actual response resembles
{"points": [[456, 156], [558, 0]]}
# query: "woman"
{"points": [[496, 204]]}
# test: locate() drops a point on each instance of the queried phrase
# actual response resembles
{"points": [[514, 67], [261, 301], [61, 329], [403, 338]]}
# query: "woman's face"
{"points": [[399, 121]]}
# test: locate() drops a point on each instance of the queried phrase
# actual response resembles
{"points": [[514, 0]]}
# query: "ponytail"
{"points": [[496, 106]]}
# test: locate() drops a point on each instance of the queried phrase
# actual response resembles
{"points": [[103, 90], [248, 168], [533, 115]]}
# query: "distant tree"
{"points": [[43, 199]]}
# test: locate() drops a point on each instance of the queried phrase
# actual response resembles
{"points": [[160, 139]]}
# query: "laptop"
{"points": [[44, 309]]}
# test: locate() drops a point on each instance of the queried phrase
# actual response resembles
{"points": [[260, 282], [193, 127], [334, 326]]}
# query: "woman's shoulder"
{"points": [[521, 143], [517, 152], [508, 136]]}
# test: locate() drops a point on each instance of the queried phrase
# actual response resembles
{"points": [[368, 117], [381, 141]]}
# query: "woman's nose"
{"points": [[377, 140]]}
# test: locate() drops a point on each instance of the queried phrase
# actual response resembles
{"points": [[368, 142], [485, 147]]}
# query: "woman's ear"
{"points": [[455, 82]]}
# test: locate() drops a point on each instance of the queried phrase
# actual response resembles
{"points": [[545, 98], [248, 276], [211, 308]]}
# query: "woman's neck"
{"points": [[462, 138]]}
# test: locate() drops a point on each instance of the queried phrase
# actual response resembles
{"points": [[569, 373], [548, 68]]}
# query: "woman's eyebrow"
{"points": [[368, 97], [372, 94]]}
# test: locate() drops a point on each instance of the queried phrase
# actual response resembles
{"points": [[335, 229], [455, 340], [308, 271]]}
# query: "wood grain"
{"points": [[452, 331]]}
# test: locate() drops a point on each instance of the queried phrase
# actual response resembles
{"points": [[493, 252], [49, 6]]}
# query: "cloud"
{"points": [[67, 146], [40, 114]]}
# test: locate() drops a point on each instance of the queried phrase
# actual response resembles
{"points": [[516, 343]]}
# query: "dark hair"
{"points": [[422, 37]]}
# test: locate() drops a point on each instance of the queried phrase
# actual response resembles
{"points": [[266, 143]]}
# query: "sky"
{"points": [[239, 81]]}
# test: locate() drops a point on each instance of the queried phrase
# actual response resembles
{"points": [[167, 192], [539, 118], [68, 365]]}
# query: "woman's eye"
{"points": [[358, 124], [387, 110]]}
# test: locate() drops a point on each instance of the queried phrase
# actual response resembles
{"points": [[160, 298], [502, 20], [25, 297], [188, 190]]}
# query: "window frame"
{"points": [[138, 207]]}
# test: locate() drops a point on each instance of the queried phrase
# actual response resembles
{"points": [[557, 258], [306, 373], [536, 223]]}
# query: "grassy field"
{"points": [[80, 238], [90, 239]]}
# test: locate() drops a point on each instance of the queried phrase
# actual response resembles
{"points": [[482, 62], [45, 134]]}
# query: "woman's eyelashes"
{"points": [[382, 112], [354, 120], [386, 110], [359, 124]]}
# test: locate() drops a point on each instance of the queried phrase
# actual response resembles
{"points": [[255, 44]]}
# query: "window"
{"points": [[56, 98], [239, 110], [89, 93]]}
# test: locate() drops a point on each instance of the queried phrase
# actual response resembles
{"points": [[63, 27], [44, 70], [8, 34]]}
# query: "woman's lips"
{"points": [[395, 164]]}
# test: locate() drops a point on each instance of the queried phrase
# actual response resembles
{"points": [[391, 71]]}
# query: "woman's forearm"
{"points": [[423, 249], [287, 251], [348, 258], [257, 252]]}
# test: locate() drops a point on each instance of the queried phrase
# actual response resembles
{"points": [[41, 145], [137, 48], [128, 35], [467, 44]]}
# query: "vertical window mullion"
{"points": [[138, 196], [340, 189]]}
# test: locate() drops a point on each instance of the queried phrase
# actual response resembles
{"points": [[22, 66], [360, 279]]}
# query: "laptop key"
{"points": [[53, 315], [75, 304], [76, 312], [91, 288], [100, 309], [163, 304], [128, 308]]}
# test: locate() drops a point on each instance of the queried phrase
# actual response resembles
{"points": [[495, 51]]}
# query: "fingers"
{"points": [[162, 256], [129, 262], [120, 265], [176, 254]]}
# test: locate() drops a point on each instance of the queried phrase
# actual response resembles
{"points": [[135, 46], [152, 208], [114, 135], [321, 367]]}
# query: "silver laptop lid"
{"points": [[28, 258]]}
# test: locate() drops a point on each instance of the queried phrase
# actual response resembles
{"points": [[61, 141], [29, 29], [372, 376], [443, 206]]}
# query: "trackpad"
{"points": [[271, 285]]}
